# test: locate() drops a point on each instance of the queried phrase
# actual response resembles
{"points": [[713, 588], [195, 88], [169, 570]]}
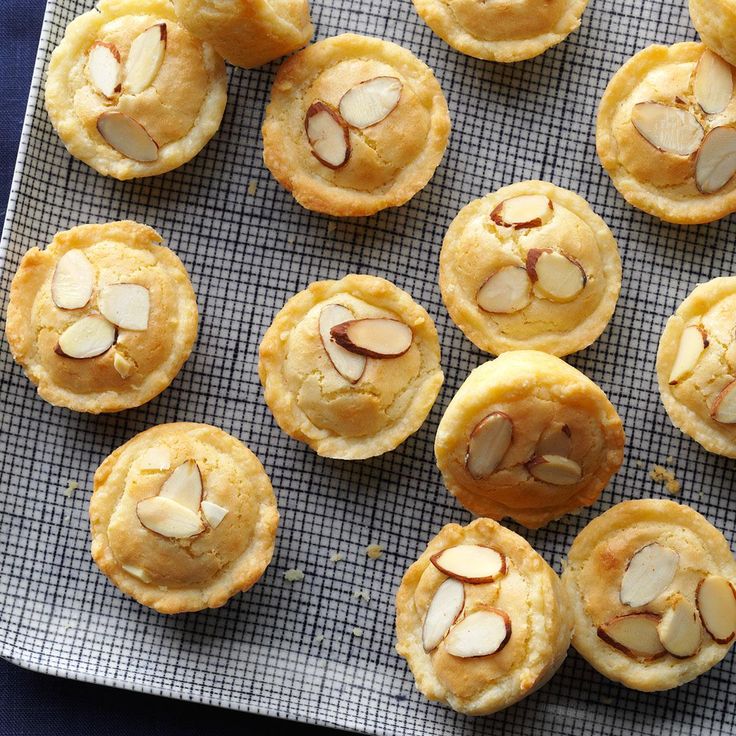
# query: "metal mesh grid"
{"points": [[246, 254]]}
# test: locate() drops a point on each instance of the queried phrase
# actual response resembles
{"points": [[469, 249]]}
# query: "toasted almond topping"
{"points": [[145, 58], [555, 440], [489, 442], [634, 634], [670, 129], [479, 634], [125, 305], [524, 211], [89, 337], [555, 469], [168, 518], [127, 136], [716, 601], [213, 513], [716, 161], [470, 563], [713, 83], [447, 604], [124, 366], [379, 337], [137, 572], [506, 291], [155, 459], [557, 276], [103, 67], [73, 281], [371, 101], [724, 407], [184, 486], [328, 135], [679, 630], [693, 341], [349, 365], [650, 571]]}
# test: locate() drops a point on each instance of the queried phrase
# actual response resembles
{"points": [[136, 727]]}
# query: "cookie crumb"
{"points": [[319, 638], [291, 239], [331, 227], [357, 631], [294, 575], [374, 551], [660, 474], [337, 557], [362, 594], [640, 464], [252, 187], [70, 488]]}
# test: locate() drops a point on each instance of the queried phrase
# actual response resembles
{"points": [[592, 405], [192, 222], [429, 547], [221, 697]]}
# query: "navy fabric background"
{"points": [[33, 704]]}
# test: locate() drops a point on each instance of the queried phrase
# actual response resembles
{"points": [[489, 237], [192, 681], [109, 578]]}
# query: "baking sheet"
{"points": [[248, 246]]}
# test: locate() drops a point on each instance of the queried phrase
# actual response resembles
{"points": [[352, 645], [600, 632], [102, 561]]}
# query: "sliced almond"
{"points": [[524, 211], [213, 513], [488, 443], [104, 68], [555, 469], [447, 604], [667, 128], [73, 281], [125, 305], [371, 101], [679, 629], [470, 563], [379, 337], [349, 365], [634, 634], [724, 407], [127, 136], [479, 634], [716, 161], [716, 601], [89, 337], [556, 275], [328, 135], [555, 440], [713, 83], [168, 518], [137, 572], [124, 366], [648, 574], [693, 341], [145, 58], [155, 459], [184, 486], [506, 291]]}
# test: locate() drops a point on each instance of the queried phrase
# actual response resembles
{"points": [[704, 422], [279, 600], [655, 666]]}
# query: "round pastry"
{"points": [[103, 319], [248, 33], [530, 437], [502, 31], [666, 133], [652, 589], [351, 367], [355, 125], [131, 92], [183, 516], [481, 618], [530, 266], [715, 21], [696, 366]]}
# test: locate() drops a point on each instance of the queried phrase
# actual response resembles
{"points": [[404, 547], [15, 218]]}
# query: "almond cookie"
{"points": [[103, 318], [182, 516], [481, 618], [502, 31], [651, 584], [248, 33], [666, 133], [530, 437], [530, 266], [715, 21], [696, 366], [351, 367], [131, 92], [355, 125]]}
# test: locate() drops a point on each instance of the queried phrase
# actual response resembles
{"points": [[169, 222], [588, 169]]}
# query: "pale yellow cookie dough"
{"points": [[209, 542], [482, 249], [169, 98], [530, 437], [666, 136], [248, 33], [136, 363], [715, 21], [646, 561], [696, 366], [526, 590], [341, 417], [499, 30], [377, 151]]}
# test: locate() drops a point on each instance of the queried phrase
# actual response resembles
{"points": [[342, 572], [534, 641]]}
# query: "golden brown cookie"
{"points": [[351, 367], [355, 125], [131, 92], [103, 318], [530, 437], [651, 584], [666, 134], [715, 21], [482, 620], [530, 266], [183, 516]]}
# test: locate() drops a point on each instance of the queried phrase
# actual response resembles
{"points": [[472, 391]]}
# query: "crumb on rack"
{"points": [[294, 575], [70, 488], [357, 631], [291, 239], [252, 187], [337, 557], [660, 474], [374, 551], [319, 638], [640, 464], [362, 593], [331, 227]]}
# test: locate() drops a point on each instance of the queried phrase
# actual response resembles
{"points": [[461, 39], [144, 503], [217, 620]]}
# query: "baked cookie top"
{"points": [[481, 618], [696, 366], [666, 134], [498, 30], [530, 266], [651, 584], [103, 318], [355, 125], [131, 92], [715, 21], [530, 437], [351, 367], [183, 516]]}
